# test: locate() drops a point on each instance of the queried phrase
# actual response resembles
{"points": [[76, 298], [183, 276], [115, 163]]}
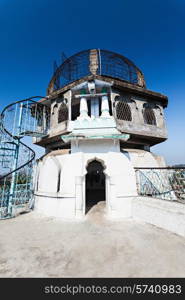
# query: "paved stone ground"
{"points": [[34, 246]]}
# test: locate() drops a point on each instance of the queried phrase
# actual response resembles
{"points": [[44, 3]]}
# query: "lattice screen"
{"points": [[149, 116], [123, 111], [62, 113]]}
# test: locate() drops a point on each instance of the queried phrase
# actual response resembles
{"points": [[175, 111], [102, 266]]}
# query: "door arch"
{"points": [[95, 181]]}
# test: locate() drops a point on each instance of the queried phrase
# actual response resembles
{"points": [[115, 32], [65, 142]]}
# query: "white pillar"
{"points": [[79, 196], [112, 193], [83, 109], [105, 107]]}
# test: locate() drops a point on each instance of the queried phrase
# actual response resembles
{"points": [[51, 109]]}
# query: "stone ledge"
{"points": [[169, 215]]}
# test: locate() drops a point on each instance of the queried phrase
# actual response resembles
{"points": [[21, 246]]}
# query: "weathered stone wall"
{"points": [[140, 132], [137, 126]]}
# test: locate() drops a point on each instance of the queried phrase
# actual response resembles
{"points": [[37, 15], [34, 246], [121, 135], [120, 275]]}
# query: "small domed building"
{"points": [[103, 123]]}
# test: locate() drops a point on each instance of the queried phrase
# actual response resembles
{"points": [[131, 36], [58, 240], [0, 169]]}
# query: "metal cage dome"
{"points": [[95, 62]]}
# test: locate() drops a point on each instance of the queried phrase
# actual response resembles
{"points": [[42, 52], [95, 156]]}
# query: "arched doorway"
{"points": [[95, 184]]}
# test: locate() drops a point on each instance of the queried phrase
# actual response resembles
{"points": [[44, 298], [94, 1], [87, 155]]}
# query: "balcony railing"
{"points": [[164, 183]]}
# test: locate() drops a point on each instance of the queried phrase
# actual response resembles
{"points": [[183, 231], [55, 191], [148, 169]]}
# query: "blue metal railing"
{"points": [[19, 119], [164, 183]]}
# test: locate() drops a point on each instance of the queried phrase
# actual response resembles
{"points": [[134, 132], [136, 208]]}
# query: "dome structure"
{"points": [[96, 62]]}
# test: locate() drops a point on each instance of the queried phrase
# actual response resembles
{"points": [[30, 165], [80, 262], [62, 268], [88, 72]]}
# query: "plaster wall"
{"points": [[60, 186], [137, 126], [141, 158], [169, 215]]}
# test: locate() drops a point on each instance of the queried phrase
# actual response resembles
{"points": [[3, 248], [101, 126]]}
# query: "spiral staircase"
{"points": [[18, 120]]}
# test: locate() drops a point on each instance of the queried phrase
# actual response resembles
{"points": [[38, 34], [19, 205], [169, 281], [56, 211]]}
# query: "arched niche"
{"points": [[62, 112], [49, 176]]}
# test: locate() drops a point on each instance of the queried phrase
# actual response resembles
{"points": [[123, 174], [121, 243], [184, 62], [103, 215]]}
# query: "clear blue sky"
{"points": [[33, 33]]}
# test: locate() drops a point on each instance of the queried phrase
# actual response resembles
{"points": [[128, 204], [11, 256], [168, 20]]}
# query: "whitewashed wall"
{"points": [[60, 190]]}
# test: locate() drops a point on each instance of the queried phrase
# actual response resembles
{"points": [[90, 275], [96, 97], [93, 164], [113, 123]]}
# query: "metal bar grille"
{"points": [[62, 113], [107, 64], [149, 116], [123, 111]]}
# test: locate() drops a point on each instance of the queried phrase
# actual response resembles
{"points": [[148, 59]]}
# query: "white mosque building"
{"points": [[103, 123]]}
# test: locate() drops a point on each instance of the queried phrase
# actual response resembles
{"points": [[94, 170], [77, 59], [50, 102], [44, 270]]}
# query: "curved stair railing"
{"points": [[17, 120]]}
